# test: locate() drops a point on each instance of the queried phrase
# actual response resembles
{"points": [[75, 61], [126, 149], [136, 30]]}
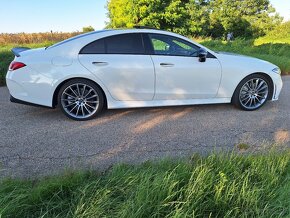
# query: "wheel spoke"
{"points": [[94, 96], [258, 99], [70, 105], [87, 109], [90, 106], [84, 89], [82, 108], [88, 93], [73, 108], [73, 91], [92, 102], [78, 90], [70, 95]]}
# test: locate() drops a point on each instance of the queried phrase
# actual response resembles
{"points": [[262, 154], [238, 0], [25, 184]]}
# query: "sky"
{"points": [[68, 15]]}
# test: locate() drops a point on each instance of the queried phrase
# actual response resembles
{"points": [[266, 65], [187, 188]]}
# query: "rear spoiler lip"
{"points": [[16, 51]]}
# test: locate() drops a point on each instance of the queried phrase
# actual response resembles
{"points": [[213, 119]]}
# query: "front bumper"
{"points": [[278, 84]]}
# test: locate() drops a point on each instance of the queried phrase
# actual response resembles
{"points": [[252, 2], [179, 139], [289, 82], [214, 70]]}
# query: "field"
{"points": [[268, 48], [218, 185]]}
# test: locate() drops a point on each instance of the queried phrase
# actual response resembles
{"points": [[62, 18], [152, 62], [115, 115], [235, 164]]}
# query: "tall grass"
{"points": [[219, 185], [32, 38]]}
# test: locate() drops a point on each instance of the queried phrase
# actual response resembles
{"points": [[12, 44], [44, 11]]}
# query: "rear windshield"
{"points": [[75, 37]]}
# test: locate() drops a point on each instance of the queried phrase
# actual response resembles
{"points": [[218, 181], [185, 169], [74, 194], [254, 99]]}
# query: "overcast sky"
{"points": [[68, 15]]}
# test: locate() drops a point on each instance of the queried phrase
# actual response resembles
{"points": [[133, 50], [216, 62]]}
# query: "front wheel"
{"points": [[252, 92], [80, 99]]}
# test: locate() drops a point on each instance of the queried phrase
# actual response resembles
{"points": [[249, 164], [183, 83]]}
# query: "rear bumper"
{"points": [[18, 101]]}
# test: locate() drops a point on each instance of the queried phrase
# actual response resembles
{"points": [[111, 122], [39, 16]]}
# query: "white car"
{"points": [[138, 67]]}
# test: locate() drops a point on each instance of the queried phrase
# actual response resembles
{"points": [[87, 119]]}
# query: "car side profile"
{"points": [[138, 67]]}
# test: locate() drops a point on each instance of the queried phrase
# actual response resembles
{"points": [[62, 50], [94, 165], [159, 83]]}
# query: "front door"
{"points": [[179, 74]]}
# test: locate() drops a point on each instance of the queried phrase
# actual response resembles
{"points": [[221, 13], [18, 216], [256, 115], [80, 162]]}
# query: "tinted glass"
{"points": [[169, 45], [96, 47], [125, 44]]}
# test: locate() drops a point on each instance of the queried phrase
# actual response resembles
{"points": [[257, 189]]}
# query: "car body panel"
{"points": [[127, 77], [134, 80], [186, 77]]}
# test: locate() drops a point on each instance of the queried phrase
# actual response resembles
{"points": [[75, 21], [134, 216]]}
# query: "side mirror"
{"points": [[202, 54]]}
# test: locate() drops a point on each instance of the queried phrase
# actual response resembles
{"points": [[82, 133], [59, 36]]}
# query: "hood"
{"points": [[240, 60]]}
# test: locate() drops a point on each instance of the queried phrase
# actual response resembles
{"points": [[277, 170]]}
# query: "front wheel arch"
{"points": [[271, 92], [56, 91]]}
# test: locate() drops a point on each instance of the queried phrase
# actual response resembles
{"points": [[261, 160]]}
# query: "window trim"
{"points": [[152, 52], [106, 49]]}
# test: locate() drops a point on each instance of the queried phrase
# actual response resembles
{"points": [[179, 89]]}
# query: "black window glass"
{"points": [[96, 47], [125, 44], [173, 46]]}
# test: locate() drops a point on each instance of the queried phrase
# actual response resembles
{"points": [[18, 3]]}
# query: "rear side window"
{"points": [[131, 43], [96, 47]]}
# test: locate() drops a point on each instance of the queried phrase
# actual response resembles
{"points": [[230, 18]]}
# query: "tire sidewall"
{"points": [[236, 96], [87, 82]]}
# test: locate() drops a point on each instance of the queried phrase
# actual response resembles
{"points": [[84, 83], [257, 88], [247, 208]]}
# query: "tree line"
{"points": [[206, 18]]}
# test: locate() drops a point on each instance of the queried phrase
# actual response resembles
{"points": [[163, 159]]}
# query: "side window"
{"points": [[130, 43], [125, 44], [96, 47], [173, 46]]}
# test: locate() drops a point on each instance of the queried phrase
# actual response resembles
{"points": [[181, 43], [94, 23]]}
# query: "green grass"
{"points": [[218, 185]]}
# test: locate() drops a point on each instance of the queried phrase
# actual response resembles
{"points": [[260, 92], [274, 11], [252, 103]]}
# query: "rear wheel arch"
{"points": [[56, 91]]}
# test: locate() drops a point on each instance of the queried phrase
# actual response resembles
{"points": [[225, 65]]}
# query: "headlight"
{"points": [[277, 70]]}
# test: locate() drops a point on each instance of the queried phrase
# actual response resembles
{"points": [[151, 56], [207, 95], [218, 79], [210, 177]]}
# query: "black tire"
{"points": [[257, 79], [75, 96]]}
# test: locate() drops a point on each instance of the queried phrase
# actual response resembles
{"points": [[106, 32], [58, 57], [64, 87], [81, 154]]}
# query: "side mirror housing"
{"points": [[202, 54]]}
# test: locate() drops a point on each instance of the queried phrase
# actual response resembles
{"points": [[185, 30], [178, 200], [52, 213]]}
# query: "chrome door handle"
{"points": [[166, 64], [100, 63]]}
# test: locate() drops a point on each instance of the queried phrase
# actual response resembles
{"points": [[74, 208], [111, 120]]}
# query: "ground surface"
{"points": [[36, 141]]}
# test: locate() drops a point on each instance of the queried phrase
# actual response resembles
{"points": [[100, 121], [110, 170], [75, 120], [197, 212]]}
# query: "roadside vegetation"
{"points": [[218, 185]]}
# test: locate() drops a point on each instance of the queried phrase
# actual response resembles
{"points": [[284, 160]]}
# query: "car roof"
{"points": [[113, 32], [76, 43]]}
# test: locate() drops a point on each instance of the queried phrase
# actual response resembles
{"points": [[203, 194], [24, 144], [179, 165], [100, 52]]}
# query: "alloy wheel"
{"points": [[80, 100], [254, 93]]}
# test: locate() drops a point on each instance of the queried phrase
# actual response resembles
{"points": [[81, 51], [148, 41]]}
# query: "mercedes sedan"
{"points": [[138, 67]]}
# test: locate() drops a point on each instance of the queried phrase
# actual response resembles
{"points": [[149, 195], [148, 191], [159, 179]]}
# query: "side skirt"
{"points": [[160, 103]]}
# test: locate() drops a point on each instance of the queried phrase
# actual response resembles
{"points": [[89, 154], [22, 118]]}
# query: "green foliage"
{"points": [[88, 29], [281, 34], [219, 185], [213, 18]]}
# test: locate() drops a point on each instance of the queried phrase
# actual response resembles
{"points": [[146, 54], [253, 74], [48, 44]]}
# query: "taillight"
{"points": [[16, 65]]}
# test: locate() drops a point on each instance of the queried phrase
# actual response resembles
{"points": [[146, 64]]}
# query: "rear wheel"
{"points": [[80, 99], [252, 92]]}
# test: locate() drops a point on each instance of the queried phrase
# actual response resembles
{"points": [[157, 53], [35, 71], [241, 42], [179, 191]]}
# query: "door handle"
{"points": [[100, 63], [166, 64]]}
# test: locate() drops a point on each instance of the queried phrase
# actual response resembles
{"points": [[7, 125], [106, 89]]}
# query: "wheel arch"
{"points": [[56, 91], [270, 96]]}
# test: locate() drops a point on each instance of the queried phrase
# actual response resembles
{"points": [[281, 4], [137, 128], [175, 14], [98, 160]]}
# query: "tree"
{"points": [[88, 29], [214, 18]]}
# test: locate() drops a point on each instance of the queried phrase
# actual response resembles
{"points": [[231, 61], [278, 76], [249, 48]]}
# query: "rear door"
{"points": [[120, 62]]}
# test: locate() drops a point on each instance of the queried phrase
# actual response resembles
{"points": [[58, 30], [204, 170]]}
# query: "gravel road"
{"points": [[37, 142]]}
